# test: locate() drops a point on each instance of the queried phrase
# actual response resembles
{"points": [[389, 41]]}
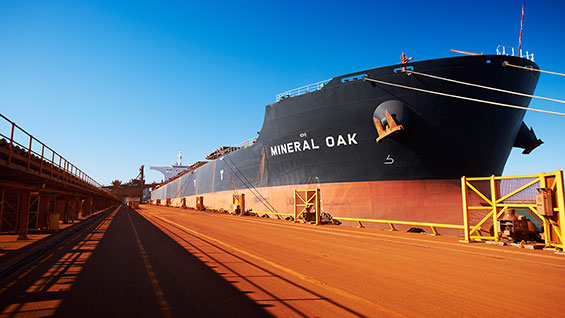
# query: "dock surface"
{"points": [[171, 262]]}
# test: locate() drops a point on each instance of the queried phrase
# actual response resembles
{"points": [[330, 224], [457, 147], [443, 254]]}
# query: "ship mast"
{"points": [[521, 26]]}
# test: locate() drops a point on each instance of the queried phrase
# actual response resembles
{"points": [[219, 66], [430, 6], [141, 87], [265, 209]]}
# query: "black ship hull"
{"points": [[327, 139]]}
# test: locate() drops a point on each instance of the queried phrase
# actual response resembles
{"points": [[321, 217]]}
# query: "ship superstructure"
{"points": [[172, 170]]}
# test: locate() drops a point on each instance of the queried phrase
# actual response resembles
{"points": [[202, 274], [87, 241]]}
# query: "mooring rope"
{"points": [[230, 177], [464, 98], [532, 69], [482, 86], [251, 188]]}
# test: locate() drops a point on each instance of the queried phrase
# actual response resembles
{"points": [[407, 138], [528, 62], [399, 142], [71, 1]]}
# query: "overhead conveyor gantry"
{"points": [[39, 187]]}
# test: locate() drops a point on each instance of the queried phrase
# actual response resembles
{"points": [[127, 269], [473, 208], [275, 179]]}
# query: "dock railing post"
{"points": [[242, 204], [318, 206], [295, 211], [11, 144], [494, 207], [547, 228], [560, 204], [29, 152], [465, 209]]}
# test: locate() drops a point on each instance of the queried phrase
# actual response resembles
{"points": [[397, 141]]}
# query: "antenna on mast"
{"points": [[521, 26]]}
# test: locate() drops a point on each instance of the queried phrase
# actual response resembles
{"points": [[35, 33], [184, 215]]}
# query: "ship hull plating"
{"points": [[327, 138]]}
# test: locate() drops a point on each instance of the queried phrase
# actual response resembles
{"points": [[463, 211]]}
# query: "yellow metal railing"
{"points": [[490, 199], [391, 224]]}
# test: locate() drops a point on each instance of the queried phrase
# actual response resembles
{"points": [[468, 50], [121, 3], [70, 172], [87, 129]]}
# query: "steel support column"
{"points": [[90, 206], [76, 209], [43, 212], [24, 215], [81, 209], [53, 214], [60, 209]]}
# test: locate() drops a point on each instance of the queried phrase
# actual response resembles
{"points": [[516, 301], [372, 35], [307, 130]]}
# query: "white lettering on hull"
{"points": [[310, 144]]}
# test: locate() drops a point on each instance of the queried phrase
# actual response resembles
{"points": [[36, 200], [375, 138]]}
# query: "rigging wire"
{"points": [[255, 192], [464, 98], [179, 188], [251, 188], [230, 176], [533, 69], [485, 87]]}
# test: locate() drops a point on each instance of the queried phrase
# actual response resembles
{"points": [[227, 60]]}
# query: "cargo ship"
{"points": [[384, 143]]}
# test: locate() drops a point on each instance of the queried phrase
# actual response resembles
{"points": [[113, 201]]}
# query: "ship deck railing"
{"points": [[302, 90], [512, 51], [246, 143]]}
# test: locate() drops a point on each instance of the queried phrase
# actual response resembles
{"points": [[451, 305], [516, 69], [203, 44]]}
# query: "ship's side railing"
{"points": [[512, 51], [302, 90], [486, 199], [246, 143], [391, 223]]}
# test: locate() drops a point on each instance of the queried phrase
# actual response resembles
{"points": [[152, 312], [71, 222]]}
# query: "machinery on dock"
{"points": [[517, 228]]}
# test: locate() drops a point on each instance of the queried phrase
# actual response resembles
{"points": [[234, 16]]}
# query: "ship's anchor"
{"points": [[390, 129]]}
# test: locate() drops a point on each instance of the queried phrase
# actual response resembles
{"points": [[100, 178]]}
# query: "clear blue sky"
{"points": [[113, 85]]}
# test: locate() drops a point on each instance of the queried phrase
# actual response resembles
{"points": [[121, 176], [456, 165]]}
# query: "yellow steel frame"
{"points": [[304, 199], [554, 227], [432, 226], [239, 199]]}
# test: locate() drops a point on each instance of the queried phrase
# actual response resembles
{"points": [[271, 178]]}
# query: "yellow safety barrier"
{"points": [[494, 195], [305, 201], [391, 223], [239, 204], [200, 203]]}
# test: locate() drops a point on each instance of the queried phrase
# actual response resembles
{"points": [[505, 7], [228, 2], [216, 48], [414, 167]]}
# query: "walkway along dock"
{"points": [[39, 187]]}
